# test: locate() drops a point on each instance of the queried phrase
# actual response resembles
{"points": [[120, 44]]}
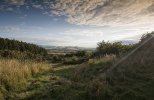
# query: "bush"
{"points": [[146, 36], [73, 60], [56, 59], [80, 53], [116, 48]]}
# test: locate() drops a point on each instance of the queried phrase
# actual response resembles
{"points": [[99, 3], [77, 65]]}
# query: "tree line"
{"points": [[117, 48], [10, 48]]}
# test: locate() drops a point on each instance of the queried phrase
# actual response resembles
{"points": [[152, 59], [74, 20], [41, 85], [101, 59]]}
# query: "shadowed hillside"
{"points": [[129, 78], [110, 78], [133, 77]]}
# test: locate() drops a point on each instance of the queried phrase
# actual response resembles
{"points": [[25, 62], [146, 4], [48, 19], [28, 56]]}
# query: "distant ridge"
{"points": [[74, 48], [127, 42]]}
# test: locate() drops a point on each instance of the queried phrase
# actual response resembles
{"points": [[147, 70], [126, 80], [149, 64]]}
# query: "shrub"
{"points": [[73, 60], [115, 48]]}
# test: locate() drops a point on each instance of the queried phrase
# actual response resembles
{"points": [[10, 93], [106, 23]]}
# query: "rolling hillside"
{"points": [[127, 78]]}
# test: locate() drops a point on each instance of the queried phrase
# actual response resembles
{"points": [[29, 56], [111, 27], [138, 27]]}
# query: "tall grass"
{"points": [[106, 58], [15, 73]]}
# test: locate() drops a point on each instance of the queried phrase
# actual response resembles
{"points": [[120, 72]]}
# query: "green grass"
{"points": [[70, 82]]}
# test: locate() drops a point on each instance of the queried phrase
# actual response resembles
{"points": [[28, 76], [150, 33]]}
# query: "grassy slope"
{"points": [[132, 79]]}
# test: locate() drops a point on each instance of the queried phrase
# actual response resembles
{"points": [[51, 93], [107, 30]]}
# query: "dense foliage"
{"points": [[19, 49], [146, 37], [117, 48], [7, 44]]}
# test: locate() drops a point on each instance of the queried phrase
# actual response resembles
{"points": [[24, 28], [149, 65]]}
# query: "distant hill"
{"points": [[127, 41], [66, 48]]}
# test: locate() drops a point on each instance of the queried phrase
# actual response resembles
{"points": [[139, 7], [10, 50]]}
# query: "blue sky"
{"points": [[75, 22]]}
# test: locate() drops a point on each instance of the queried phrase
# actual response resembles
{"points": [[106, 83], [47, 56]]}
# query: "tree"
{"points": [[80, 53], [116, 48], [146, 36]]}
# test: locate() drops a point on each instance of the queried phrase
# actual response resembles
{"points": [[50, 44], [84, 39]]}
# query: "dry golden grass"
{"points": [[103, 59], [15, 73]]}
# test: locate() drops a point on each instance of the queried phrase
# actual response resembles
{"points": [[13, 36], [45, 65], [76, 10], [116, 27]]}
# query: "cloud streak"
{"points": [[16, 2], [9, 29]]}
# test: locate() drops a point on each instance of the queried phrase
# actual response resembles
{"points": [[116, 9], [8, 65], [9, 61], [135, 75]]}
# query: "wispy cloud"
{"points": [[16, 2], [37, 6], [105, 12], [9, 29]]}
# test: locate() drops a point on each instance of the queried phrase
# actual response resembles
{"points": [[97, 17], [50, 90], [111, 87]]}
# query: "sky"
{"points": [[81, 23]]}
